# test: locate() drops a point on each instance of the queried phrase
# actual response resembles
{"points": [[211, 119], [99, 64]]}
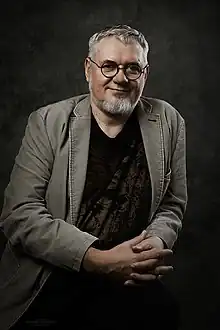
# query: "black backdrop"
{"points": [[42, 49]]}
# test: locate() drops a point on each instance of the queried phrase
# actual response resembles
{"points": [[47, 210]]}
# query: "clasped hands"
{"points": [[133, 262], [151, 262]]}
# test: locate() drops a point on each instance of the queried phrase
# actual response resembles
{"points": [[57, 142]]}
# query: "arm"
{"points": [[167, 221], [25, 218]]}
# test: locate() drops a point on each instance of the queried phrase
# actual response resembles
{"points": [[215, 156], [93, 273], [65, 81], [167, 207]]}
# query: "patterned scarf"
{"points": [[120, 210]]}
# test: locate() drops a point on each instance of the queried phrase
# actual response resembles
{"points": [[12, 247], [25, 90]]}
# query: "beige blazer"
{"points": [[50, 166]]}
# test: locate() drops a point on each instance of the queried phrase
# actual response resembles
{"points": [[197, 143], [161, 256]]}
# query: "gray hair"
{"points": [[124, 33]]}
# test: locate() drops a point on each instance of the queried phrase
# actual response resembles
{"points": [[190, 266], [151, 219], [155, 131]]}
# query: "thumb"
{"points": [[138, 239]]}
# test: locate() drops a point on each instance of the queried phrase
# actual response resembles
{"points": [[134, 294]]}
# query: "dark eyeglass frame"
{"points": [[124, 68]]}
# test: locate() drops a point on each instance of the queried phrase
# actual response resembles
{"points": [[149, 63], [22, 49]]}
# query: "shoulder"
{"points": [[167, 112], [54, 119], [55, 116], [60, 110]]}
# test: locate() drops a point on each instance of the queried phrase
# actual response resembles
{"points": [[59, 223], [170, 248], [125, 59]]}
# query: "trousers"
{"points": [[63, 303]]}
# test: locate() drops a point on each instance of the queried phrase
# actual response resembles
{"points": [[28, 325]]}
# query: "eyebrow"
{"points": [[108, 60]]}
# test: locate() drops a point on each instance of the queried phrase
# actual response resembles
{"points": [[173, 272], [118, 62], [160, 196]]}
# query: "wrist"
{"points": [[158, 242], [93, 260]]}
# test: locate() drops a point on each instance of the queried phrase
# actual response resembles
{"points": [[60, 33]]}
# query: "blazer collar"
{"points": [[152, 135], [83, 108]]}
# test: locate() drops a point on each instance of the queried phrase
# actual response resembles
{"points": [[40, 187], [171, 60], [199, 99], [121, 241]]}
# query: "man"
{"points": [[95, 201]]}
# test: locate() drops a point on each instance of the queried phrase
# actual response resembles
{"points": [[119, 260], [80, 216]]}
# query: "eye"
{"points": [[109, 66], [133, 68]]}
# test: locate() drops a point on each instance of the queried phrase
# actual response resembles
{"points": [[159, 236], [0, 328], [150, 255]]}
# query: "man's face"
{"points": [[117, 95]]}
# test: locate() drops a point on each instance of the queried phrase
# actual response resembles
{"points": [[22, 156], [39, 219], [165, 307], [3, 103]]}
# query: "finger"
{"points": [[142, 246], [145, 265], [138, 239], [143, 277], [154, 254], [132, 283], [159, 277], [163, 270], [150, 242]]}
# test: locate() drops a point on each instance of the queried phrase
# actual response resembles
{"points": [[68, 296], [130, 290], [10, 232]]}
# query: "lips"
{"points": [[120, 90]]}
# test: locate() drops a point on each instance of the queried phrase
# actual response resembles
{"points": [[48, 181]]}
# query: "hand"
{"points": [[98, 261], [117, 262], [140, 270]]}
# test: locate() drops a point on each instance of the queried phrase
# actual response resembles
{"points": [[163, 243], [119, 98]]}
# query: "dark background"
{"points": [[42, 49]]}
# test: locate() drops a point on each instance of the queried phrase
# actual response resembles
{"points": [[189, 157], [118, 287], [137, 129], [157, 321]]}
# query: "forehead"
{"points": [[113, 49]]}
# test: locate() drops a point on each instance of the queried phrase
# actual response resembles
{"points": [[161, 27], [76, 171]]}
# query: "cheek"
{"points": [[140, 87], [137, 88], [98, 85]]}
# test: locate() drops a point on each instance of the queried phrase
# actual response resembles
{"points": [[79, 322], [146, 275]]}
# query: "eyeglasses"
{"points": [[110, 69]]}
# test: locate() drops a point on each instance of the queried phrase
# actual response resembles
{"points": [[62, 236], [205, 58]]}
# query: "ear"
{"points": [[147, 71], [87, 68]]}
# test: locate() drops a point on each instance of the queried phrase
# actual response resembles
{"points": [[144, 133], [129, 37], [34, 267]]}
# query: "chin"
{"points": [[118, 106]]}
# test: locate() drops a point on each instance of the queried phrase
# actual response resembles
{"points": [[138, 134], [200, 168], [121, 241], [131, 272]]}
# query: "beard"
{"points": [[118, 106]]}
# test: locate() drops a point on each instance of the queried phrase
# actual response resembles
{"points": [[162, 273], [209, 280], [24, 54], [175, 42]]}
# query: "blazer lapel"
{"points": [[80, 127], [151, 129]]}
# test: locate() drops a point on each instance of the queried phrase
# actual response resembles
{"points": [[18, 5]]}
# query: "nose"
{"points": [[120, 76]]}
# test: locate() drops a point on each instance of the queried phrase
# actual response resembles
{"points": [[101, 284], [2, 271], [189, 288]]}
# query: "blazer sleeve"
{"points": [[167, 220], [25, 219]]}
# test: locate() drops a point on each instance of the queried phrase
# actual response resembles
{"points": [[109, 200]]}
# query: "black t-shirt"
{"points": [[106, 153]]}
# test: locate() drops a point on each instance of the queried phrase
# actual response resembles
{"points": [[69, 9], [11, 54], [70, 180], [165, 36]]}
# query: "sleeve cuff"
{"points": [[86, 243]]}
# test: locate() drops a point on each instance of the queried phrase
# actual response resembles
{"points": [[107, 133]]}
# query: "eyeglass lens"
{"points": [[132, 71]]}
